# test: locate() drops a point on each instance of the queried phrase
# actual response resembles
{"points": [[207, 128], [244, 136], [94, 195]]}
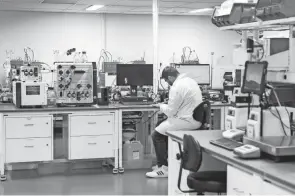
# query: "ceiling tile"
{"points": [[97, 2], [78, 7], [51, 6], [199, 5], [180, 1], [21, 1], [143, 9], [175, 10], [17, 6], [60, 1], [170, 4], [135, 3]]}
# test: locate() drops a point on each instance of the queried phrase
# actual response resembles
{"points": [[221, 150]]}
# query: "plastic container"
{"points": [[51, 97]]}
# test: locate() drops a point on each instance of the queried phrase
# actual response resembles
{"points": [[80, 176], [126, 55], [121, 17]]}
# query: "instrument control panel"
{"points": [[76, 83]]}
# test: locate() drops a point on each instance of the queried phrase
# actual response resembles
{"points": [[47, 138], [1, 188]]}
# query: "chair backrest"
{"points": [[192, 154], [202, 113]]}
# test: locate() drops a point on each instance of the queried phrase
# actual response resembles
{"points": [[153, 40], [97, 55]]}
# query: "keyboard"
{"points": [[132, 100], [227, 144], [136, 103]]}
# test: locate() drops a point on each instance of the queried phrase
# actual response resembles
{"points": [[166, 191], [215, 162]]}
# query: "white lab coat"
{"points": [[184, 96]]}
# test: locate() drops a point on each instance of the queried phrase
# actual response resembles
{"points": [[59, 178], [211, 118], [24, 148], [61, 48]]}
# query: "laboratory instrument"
{"points": [[76, 83], [274, 9], [239, 98], [134, 75], [278, 148], [236, 118], [253, 125], [247, 152], [199, 72], [29, 94], [234, 134]]}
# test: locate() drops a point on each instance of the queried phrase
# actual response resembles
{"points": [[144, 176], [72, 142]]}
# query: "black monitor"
{"points": [[254, 77], [134, 74]]}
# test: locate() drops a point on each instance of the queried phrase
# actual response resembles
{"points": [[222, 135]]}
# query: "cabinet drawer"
{"points": [[242, 183], [28, 126], [92, 125], [271, 189], [28, 150], [91, 147]]}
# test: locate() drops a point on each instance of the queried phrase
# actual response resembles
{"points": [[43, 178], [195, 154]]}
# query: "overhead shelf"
{"points": [[279, 24]]}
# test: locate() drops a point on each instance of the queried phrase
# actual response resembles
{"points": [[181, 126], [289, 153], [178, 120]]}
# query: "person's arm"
{"points": [[175, 101]]}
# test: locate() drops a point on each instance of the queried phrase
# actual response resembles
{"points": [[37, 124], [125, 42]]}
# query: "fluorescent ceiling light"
{"points": [[94, 7], [201, 10]]}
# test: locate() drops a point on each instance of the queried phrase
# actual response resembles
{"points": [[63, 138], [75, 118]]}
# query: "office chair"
{"points": [[202, 113], [199, 182]]}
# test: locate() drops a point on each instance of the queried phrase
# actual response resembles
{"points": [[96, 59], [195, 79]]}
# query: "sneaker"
{"points": [[155, 167], [161, 172]]}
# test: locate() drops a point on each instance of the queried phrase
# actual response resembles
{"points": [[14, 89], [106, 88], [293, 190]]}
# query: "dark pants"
{"points": [[161, 146]]}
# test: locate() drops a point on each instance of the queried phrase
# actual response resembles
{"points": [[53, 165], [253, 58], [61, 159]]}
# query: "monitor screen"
{"points": [[134, 74], [199, 72], [254, 77]]}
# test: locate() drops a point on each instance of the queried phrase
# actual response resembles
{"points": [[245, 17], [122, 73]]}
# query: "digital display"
{"points": [[33, 90], [254, 77]]}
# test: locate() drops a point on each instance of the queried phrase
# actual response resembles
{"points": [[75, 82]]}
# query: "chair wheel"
{"points": [[115, 170], [3, 178], [121, 170]]}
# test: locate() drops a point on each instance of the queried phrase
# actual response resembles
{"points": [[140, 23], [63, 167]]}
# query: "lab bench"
{"points": [[58, 134], [244, 177]]}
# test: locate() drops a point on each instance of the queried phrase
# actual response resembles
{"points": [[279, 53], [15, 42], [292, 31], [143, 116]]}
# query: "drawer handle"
{"points": [[237, 190], [91, 143], [91, 123], [29, 146], [29, 125]]}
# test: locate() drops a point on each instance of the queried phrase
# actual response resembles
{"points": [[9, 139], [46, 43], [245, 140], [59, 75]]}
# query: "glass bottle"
{"points": [[84, 57]]}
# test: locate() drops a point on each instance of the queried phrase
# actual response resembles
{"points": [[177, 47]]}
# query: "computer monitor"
{"points": [[254, 77], [134, 74], [199, 72]]}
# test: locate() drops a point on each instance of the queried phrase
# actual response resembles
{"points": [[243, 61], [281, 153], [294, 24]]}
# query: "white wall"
{"points": [[45, 32], [127, 36]]}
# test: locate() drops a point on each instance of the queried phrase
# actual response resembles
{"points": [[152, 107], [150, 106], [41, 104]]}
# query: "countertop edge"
{"points": [[231, 161]]}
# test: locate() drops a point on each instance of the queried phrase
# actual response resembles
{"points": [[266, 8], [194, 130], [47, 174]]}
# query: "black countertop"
{"points": [[283, 173]]}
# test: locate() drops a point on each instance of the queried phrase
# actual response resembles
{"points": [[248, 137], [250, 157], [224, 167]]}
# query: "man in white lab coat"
{"points": [[184, 96]]}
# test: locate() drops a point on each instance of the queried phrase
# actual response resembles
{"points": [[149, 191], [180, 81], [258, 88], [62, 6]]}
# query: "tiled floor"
{"points": [[85, 182]]}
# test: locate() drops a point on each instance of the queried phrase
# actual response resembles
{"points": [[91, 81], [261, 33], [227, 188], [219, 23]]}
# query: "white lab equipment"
{"points": [[247, 152], [253, 125], [236, 118], [239, 98], [272, 125], [234, 134]]}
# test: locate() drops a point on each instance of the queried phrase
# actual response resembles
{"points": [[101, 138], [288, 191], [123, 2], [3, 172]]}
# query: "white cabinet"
{"points": [[100, 124], [28, 138], [28, 126], [242, 183], [91, 136], [28, 150], [87, 147], [271, 189]]}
